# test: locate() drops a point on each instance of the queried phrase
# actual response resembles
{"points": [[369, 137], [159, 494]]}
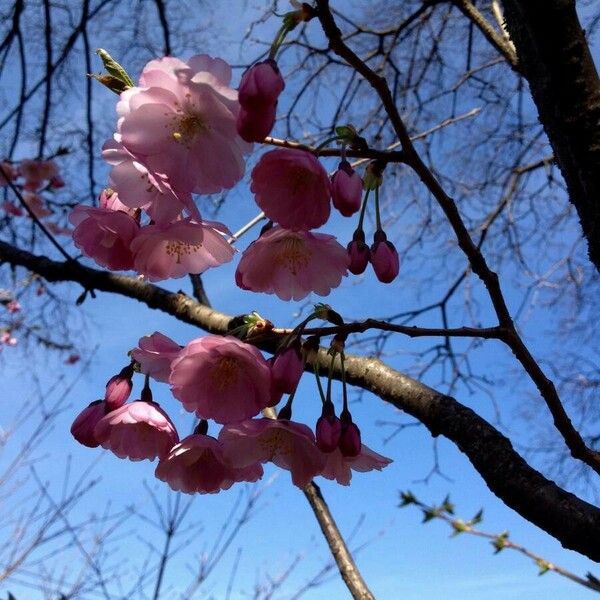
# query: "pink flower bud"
{"points": [[118, 389], [286, 369], [328, 429], [359, 253], [12, 209], [350, 443], [346, 189], [57, 182], [384, 258], [254, 124], [13, 306], [83, 426], [261, 84], [7, 339]]}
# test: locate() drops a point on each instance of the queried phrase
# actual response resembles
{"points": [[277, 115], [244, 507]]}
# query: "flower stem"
{"points": [[363, 210], [377, 215], [321, 393]]}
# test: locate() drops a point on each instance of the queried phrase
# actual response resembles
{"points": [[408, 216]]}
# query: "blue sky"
{"points": [[403, 559]]}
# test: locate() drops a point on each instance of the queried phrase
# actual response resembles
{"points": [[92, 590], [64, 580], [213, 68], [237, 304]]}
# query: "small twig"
{"points": [[500, 541]]}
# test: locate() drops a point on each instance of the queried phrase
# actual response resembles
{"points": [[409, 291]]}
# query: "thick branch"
{"points": [[556, 60], [574, 522]]}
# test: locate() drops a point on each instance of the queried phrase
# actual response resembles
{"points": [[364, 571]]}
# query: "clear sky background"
{"points": [[401, 558]]}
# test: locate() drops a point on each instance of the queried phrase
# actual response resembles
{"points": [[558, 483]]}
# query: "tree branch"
{"points": [[562, 422], [497, 40], [350, 574], [556, 60], [574, 522]]}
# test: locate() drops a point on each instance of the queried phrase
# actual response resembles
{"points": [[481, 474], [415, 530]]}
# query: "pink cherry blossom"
{"points": [[384, 258], [197, 465], [7, 338], [254, 125], [36, 172], [292, 188], [155, 354], [176, 249], [183, 123], [221, 378], [57, 229], [104, 235], [12, 209], [56, 182], [138, 187], [13, 306], [346, 189], [339, 467], [287, 444], [292, 264], [7, 173], [261, 85], [286, 370], [85, 422], [109, 200], [36, 205], [137, 431]]}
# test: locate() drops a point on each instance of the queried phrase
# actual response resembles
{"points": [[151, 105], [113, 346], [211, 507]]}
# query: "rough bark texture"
{"points": [[555, 58], [572, 521]]}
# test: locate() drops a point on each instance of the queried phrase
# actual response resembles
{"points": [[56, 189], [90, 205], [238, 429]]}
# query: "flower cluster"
{"points": [[176, 136], [32, 178], [184, 131], [228, 381]]}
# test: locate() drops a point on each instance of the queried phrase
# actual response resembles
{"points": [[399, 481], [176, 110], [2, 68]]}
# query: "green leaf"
{"points": [[477, 518], [500, 542], [407, 498], [429, 514], [447, 506], [109, 81], [114, 68], [326, 313], [346, 133], [543, 565]]}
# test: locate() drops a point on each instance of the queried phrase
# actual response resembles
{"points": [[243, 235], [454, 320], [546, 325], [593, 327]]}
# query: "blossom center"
{"points": [[187, 123], [225, 373], [293, 254], [178, 248], [275, 442]]}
